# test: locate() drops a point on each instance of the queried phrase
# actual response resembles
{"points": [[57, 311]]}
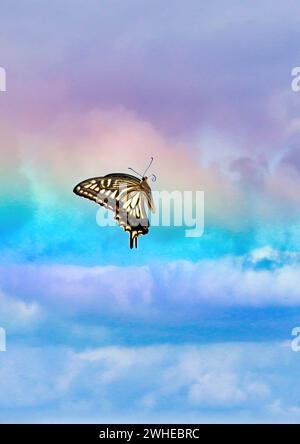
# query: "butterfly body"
{"points": [[124, 194]]}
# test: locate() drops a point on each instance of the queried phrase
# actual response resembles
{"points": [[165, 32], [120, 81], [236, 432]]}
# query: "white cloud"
{"points": [[284, 411], [264, 253], [120, 381], [275, 257], [17, 315], [230, 282]]}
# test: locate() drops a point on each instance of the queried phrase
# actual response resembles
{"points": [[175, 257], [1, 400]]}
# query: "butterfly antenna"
{"points": [[135, 171], [151, 160]]}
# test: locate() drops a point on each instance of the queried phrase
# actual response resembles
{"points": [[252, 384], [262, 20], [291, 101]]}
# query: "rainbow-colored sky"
{"points": [[182, 329]]}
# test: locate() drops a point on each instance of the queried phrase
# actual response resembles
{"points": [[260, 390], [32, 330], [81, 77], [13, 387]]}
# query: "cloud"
{"points": [[284, 411], [242, 193], [230, 282], [116, 289], [167, 379], [17, 315], [82, 143], [215, 377], [264, 278], [180, 80]]}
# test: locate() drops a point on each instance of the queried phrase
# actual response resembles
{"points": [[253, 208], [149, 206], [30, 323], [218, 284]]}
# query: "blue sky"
{"points": [[182, 329]]}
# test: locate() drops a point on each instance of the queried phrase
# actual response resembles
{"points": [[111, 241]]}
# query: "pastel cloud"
{"points": [[104, 141], [240, 192], [265, 278], [202, 69]]}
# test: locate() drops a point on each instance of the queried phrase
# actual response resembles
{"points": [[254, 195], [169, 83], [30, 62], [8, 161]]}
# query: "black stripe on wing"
{"points": [[90, 189], [105, 190]]}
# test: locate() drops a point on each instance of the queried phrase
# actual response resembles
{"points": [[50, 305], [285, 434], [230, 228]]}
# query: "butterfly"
{"points": [[126, 195]]}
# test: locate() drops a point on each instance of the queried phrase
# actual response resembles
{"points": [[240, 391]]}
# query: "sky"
{"points": [[182, 329]]}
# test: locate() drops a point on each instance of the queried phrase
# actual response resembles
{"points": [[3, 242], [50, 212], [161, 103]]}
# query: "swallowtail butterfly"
{"points": [[126, 195]]}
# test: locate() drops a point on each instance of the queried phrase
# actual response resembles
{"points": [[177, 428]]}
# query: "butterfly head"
{"points": [[146, 178]]}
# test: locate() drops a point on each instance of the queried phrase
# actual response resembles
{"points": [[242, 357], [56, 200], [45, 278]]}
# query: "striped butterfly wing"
{"points": [[123, 194]]}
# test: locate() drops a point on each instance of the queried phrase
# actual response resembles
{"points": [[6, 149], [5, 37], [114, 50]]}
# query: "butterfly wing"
{"points": [[125, 196]]}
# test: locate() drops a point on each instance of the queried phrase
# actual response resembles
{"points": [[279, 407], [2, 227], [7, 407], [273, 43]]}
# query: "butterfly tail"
{"points": [[133, 239]]}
